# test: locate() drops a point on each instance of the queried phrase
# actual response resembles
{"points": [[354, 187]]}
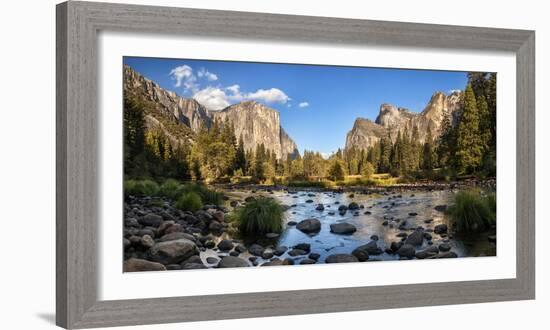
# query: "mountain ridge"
{"points": [[392, 120], [255, 122]]}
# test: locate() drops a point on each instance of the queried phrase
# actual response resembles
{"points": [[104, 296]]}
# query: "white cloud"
{"points": [[213, 98], [184, 75], [451, 91], [203, 73], [234, 89], [272, 95], [303, 104]]}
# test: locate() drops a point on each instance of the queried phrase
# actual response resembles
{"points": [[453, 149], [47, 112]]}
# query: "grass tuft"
{"points": [[170, 188], [472, 211], [189, 201], [264, 215], [141, 188]]}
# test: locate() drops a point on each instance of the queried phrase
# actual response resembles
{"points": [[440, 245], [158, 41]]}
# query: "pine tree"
{"points": [[336, 170], [406, 152], [427, 154], [240, 156], [416, 148], [469, 147], [492, 106], [445, 143], [385, 153], [259, 159], [484, 123]]}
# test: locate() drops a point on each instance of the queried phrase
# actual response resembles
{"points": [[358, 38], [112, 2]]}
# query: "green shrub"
{"points": [[189, 201], [170, 188], [264, 215], [471, 211], [208, 196], [140, 188], [155, 202]]}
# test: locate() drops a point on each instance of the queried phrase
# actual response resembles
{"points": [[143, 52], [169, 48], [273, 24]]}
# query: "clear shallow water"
{"points": [[393, 207]]}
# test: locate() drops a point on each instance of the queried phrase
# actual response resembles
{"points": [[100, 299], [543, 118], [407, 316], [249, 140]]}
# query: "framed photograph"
{"points": [[217, 165]]}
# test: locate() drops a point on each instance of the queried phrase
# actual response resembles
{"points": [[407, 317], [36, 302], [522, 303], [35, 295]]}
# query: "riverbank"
{"points": [[398, 223], [424, 185]]}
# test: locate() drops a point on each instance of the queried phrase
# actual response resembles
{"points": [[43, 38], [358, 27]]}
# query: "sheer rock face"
{"points": [[364, 134], [258, 124], [187, 111], [391, 119], [254, 121]]}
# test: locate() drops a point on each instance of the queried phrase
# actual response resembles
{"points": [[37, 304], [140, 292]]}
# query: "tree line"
{"points": [[466, 145]]}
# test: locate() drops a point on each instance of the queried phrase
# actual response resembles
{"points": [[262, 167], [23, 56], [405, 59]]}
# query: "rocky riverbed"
{"points": [[319, 227]]}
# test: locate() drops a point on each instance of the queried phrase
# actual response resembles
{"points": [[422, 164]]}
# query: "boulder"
{"points": [[141, 265], [176, 236], [353, 206], [211, 260], [150, 219], [297, 252], [215, 227], [256, 250], [361, 254], [280, 250], [309, 226], [268, 254], [396, 246], [320, 207], [303, 246], [416, 238], [364, 251], [342, 228], [340, 258], [173, 252], [444, 247], [230, 262], [225, 245], [147, 242], [314, 256], [440, 229], [307, 261], [406, 251]]}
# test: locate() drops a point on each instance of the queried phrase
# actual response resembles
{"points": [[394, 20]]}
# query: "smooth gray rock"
{"points": [[441, 229], [340, 258], [342, 228], [225, 245], [309, 226], [230, 262], [150, 219], [173, 252], [141, 265], [415, 238], [406, 251]]}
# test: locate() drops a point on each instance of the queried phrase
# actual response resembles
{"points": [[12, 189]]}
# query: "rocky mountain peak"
{"points": [[255, 122], [258, 124], [392, 119]]}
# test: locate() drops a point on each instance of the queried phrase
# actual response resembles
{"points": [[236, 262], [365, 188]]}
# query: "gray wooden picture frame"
{"points": [[78, 24]]}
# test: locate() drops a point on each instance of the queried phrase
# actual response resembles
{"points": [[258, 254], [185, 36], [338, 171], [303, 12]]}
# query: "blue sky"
{"points": [[317, 104]]}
